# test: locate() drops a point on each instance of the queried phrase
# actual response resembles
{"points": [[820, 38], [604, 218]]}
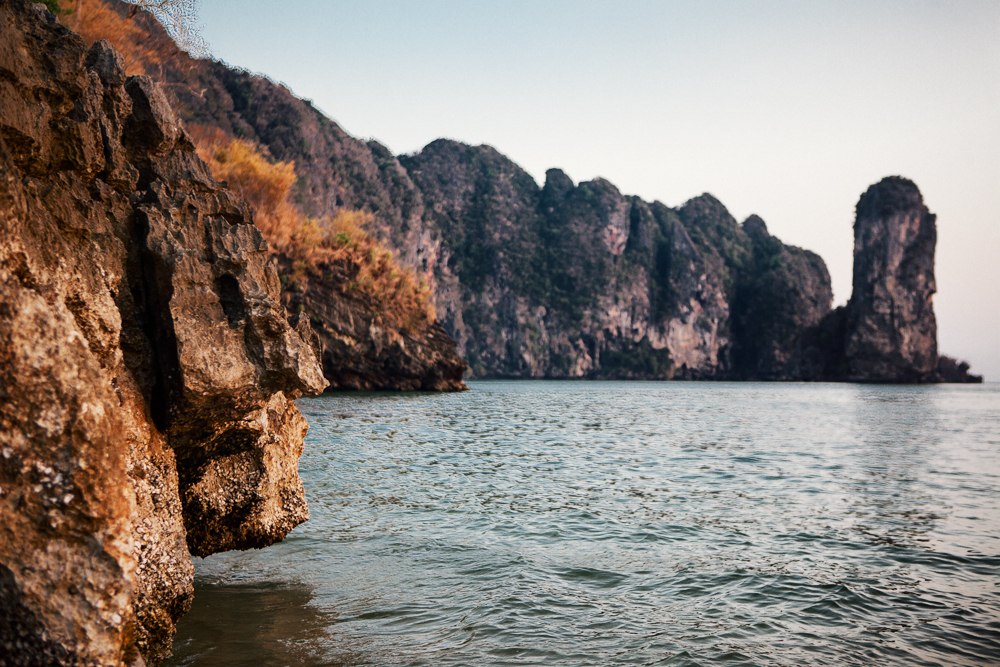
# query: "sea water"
{"points": [[607, 523]]}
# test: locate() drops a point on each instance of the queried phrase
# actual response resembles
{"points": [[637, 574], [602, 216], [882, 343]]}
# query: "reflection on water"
{"points": [[896, 436], [561, 523], [263, 624]]}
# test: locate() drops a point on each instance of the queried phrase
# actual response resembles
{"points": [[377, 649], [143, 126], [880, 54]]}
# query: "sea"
{"points": [[627, 523]]}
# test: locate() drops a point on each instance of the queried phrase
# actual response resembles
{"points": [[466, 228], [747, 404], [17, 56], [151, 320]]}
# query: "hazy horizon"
{"points": [[778, 109]]}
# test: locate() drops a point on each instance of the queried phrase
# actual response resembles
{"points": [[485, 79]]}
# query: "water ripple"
{"points": [[549, 523]]}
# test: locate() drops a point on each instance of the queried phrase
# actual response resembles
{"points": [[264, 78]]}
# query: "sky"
{"points": [[786, 109]]}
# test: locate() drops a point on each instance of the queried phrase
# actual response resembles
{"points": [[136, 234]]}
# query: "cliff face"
{"points": [[887, 331], [563, 280], [570, 280], [784, 293], [336, 172], [581, 281], [578, 280], [360, 349], [146, 364], [891, 333]]}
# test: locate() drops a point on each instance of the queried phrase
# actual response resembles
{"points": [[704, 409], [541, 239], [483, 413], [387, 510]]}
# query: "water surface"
{"points": [[604, 523]]}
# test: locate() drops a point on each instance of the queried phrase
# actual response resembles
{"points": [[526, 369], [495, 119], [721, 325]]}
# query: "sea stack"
{"points": [[890, 330]]}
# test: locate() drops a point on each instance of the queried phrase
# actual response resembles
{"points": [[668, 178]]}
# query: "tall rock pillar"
{"points": [[891, 333]]}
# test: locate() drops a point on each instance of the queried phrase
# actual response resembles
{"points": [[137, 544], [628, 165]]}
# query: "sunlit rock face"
{"points": [[147, 368]]}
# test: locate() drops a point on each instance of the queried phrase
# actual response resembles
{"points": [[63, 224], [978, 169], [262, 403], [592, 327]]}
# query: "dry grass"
{"points": [[95, 20], [267, 185], [311, 243]]}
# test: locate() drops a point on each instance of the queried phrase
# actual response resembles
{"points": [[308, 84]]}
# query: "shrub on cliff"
{"points": [[316, 244]]}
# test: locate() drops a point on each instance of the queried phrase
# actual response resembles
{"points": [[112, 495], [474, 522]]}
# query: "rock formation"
{"points": [[891, 333], [147, 368], [887, 332], [783, 293], [360, 350], [579, 280], [566, 280]]}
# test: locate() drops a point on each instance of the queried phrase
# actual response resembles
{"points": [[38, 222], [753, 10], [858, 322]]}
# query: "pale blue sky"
{"points": [[785, 109]]}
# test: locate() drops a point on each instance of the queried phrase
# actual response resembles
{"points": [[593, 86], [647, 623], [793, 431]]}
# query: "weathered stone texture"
{"points": [[146, 365], [891, 330]]}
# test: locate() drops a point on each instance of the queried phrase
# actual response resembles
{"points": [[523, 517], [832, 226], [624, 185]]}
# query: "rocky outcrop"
{"points": [[565, 280], [147, 368], [891, 333], [953, 370], [360, 349], [336, 172], [887, 332], [579, 280], [782, 294]]}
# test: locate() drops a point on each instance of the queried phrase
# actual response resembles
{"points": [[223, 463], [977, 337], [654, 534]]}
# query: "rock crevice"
{"points": [[147, 368]]}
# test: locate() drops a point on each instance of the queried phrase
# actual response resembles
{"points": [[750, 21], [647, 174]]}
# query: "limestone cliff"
{"points": [[362, 349], [571, 280], [783, 293], [147, 368], [887, 332], [564, 280], [891, 333], [580, 280]]}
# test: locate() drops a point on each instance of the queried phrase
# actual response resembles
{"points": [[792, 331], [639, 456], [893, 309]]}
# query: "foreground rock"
{"points": [[146, 365], [360, 350]]}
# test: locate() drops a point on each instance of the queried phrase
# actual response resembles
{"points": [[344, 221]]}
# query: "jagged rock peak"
{"points": [[755, 226]]}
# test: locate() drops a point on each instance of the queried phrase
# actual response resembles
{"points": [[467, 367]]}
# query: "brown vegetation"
{"points": [[338, 243], [96, 20], [143, 51]]}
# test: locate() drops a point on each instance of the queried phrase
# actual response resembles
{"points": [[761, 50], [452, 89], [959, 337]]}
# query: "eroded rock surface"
{"points": [[146, 364], [891, 332], [887, 332]]}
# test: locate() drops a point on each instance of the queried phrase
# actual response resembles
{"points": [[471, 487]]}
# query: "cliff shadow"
{"points": [[259, 623]]}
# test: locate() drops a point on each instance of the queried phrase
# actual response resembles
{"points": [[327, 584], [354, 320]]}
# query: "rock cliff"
{"points": [[563, 280], [891, 333], [782, 295], [360, 349], [336, 172], [887, 331], [570, 280], [147, 368], [580, 280]]}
